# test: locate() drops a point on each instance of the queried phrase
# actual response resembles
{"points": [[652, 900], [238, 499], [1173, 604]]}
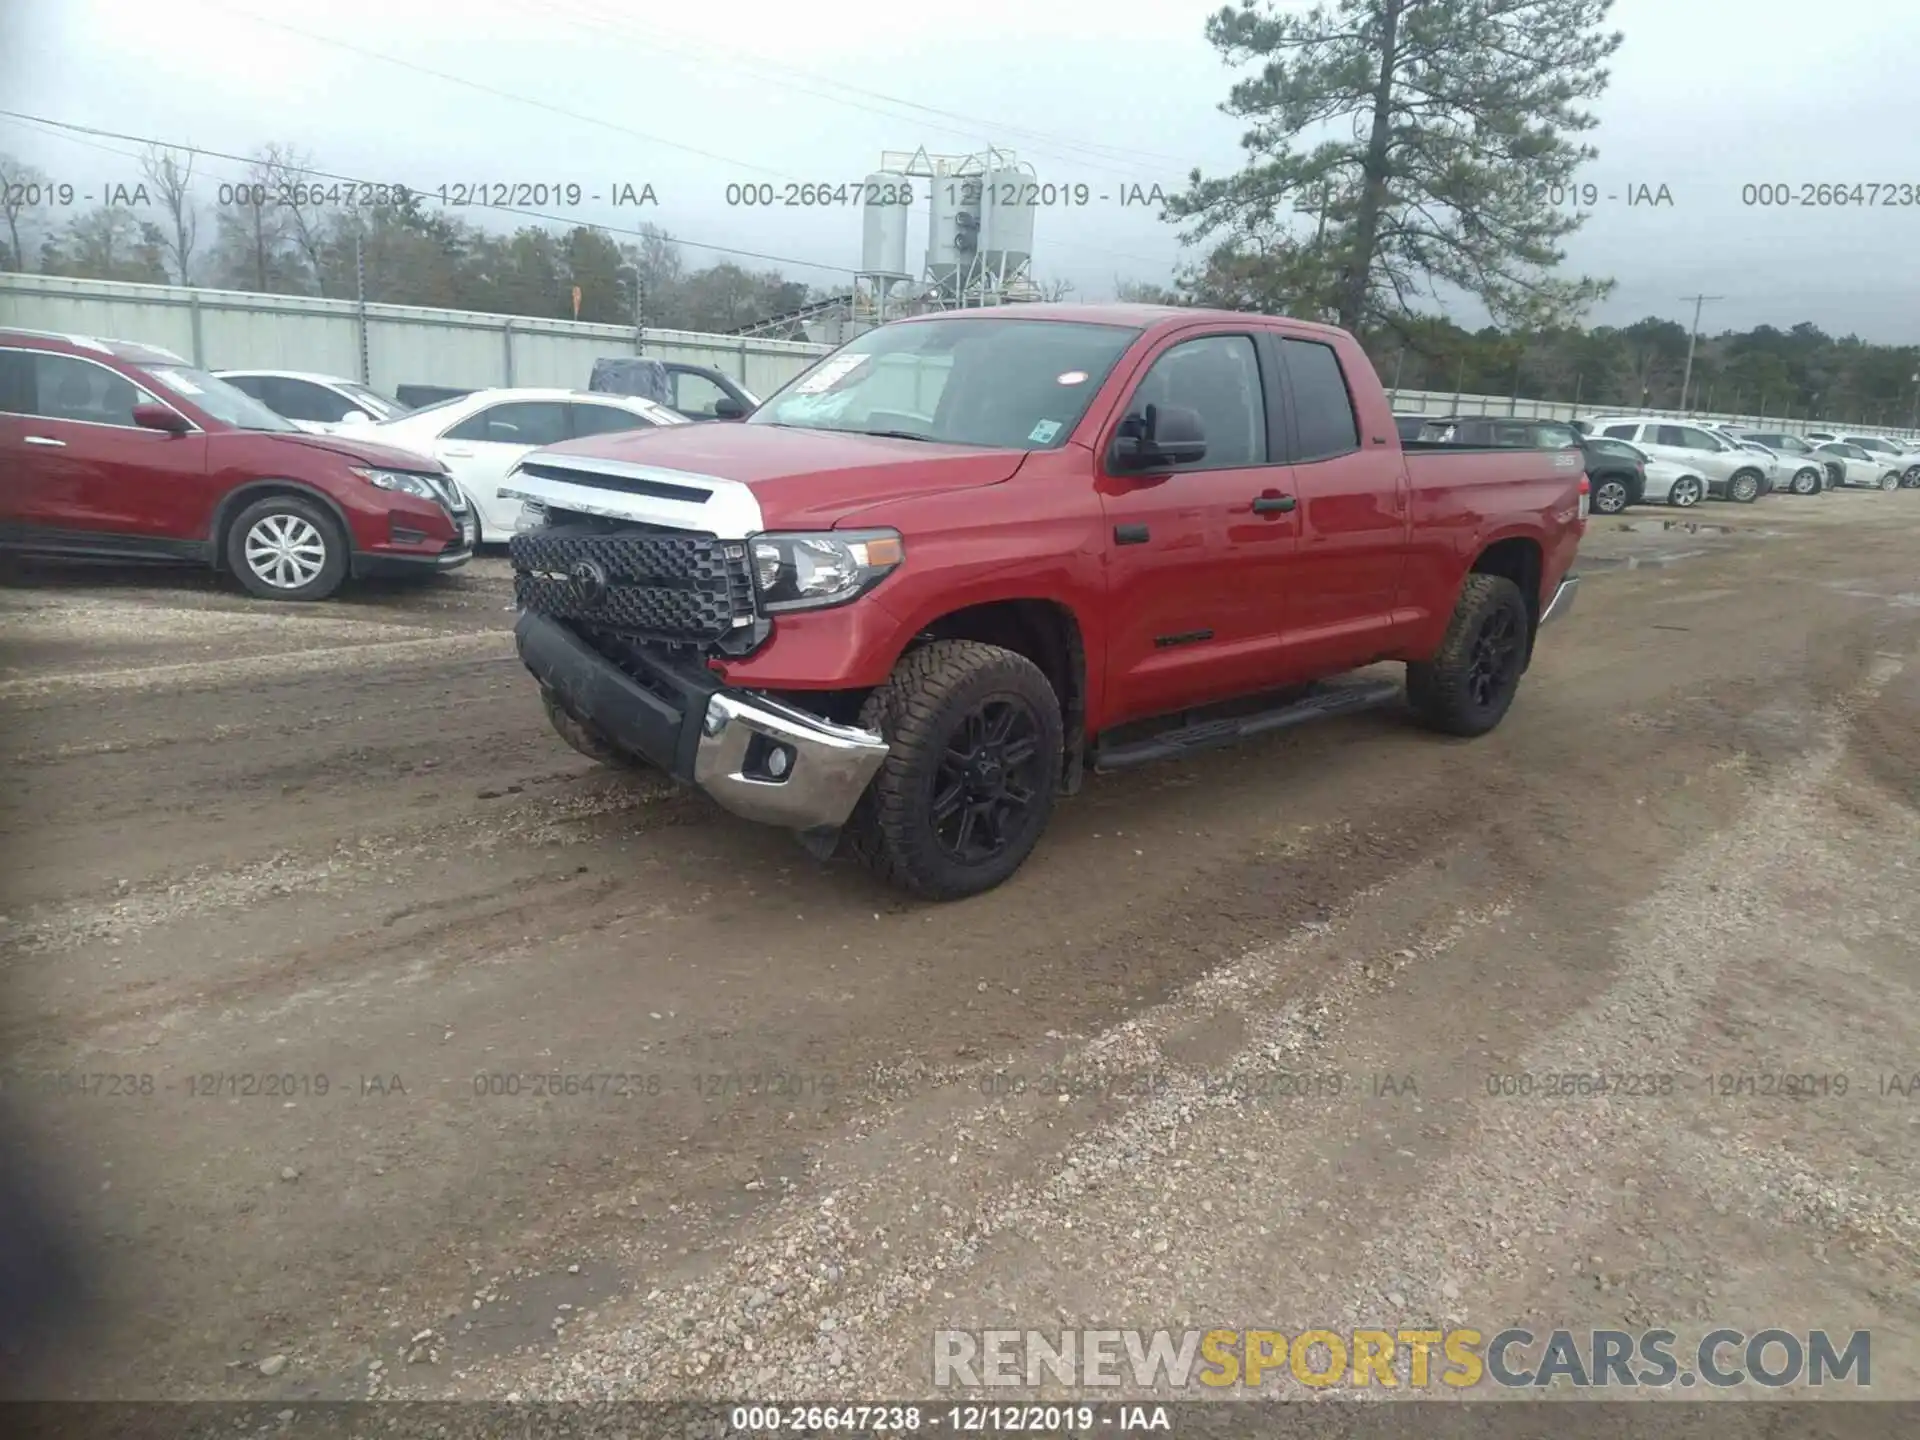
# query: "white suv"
{"points": [[1900, 454], [1731, 472]]}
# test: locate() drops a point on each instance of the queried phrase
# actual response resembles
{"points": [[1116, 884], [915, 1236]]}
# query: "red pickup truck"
{"points": [[967, 558]]}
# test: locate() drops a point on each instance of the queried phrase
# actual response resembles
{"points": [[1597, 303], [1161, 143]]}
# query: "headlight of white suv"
{"points": [[829, 567], [404, 481]]}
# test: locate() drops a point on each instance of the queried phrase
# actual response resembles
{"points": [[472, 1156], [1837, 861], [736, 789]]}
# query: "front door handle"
{"points": [[46, 440], [1273, 504], [456, 452]]}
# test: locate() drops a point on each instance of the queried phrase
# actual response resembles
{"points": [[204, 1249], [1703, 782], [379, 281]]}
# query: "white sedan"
{"points": [[481, 436], [318, 404]]}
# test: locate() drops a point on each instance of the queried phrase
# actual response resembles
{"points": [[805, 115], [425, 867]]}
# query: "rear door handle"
{"points": [[457, 453], [1273, 504], [46, 440]]}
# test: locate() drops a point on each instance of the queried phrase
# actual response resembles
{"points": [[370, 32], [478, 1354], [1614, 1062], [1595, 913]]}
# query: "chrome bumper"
{"points": [[829, 766], [1562, 600]]}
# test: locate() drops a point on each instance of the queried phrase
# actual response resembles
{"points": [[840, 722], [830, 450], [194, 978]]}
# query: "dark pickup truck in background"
{"points": [[699, 392], [1616, 473], [969, 557]]}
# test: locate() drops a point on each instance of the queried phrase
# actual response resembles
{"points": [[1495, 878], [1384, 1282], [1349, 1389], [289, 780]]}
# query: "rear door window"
{"points": [[1623, 432], [1323, 418]]}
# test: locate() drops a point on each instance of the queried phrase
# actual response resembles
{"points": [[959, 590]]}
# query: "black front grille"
{"points": [[678, 586]]}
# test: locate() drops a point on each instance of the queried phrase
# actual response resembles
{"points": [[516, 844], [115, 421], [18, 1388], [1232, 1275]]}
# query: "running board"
{"points": [[1340, 699]]}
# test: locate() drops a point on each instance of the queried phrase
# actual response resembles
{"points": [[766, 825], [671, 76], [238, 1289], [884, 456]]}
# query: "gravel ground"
{"points": [[815, 1123]]}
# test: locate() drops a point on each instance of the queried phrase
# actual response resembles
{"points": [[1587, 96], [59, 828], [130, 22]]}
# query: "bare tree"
{"points": [[1055, 289], [21, 187], [254, 250], [309, 220], [170, 173]]}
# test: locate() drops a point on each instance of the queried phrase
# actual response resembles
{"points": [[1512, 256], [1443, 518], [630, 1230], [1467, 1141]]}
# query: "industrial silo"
{"points": [[1007, 226], [953, 229], [888, 204]]}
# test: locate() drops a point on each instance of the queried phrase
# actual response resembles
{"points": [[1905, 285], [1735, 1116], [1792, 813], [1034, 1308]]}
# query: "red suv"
{"points": [[122, 451]]}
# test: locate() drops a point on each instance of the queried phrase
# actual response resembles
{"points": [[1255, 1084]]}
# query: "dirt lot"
{"points": [[326, 892]]}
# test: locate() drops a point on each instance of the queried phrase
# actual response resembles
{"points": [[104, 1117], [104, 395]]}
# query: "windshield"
{"points": [[1009, 384], [381, 407], [217, 398]]}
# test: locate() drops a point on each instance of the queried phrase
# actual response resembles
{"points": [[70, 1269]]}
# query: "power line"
{"points": [[974, 125], [66, 125], [551, 108]]}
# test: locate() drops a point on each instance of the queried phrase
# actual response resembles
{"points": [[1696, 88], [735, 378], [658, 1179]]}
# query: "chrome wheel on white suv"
{"points": [[1744, 488]]}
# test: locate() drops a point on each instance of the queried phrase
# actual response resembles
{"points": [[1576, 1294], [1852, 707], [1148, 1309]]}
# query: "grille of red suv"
{"points": [[678, 586]]}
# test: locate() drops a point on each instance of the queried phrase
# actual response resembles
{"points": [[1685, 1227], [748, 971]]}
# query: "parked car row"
{"points": [[1650, 459], [289, 480]]}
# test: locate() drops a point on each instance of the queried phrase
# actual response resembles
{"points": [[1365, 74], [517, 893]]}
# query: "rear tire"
{"points": [[1467, 688], [587, 739], [287, 547], [1686, 492], [1611, 496], [969, 782]]}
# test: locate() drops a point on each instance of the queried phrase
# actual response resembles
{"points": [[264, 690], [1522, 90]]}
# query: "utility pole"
{"points": [[1693, 337], [360, 304]]}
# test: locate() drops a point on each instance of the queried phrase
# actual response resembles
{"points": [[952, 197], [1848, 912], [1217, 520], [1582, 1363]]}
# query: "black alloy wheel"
{"points": [[1610, 496], [1497, 652], [986, 784]]}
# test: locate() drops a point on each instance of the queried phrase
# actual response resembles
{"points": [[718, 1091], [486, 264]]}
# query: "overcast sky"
{"points": [[1706, 97]]}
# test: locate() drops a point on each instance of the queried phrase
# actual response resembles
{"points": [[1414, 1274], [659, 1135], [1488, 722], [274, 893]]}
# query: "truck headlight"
{"points": [[404, 481], [829, 567]]}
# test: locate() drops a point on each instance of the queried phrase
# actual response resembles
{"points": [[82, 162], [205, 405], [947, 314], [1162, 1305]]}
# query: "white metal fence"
{"points": [[384, 345], [392, 345], [1445, 402]]}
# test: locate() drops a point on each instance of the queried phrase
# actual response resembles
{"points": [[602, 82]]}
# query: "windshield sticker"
{"points": [[1072, 377], [830, 374], [176, 382], [1044, 432]]}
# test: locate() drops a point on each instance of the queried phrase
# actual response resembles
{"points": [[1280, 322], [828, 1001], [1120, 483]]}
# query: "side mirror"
{"points": [[356, 418], [728, 408], [150, 415], [1162, 436]]}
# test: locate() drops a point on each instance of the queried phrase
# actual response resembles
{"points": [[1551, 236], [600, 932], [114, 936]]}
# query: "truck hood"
{"points": [[802, 479], [361, 452]]}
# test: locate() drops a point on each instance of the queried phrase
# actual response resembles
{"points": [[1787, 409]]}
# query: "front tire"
{"points": [[1686, 492], [1467, 688], [587, 739], [969, 781], [1807, 482], [1744, 488], [287, 547], [1889, 483]]}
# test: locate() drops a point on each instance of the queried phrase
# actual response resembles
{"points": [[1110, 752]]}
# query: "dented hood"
{"points": [[802, 479]]}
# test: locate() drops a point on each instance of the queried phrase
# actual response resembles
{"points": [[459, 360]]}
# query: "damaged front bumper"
{"points": [[761, 758]]}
